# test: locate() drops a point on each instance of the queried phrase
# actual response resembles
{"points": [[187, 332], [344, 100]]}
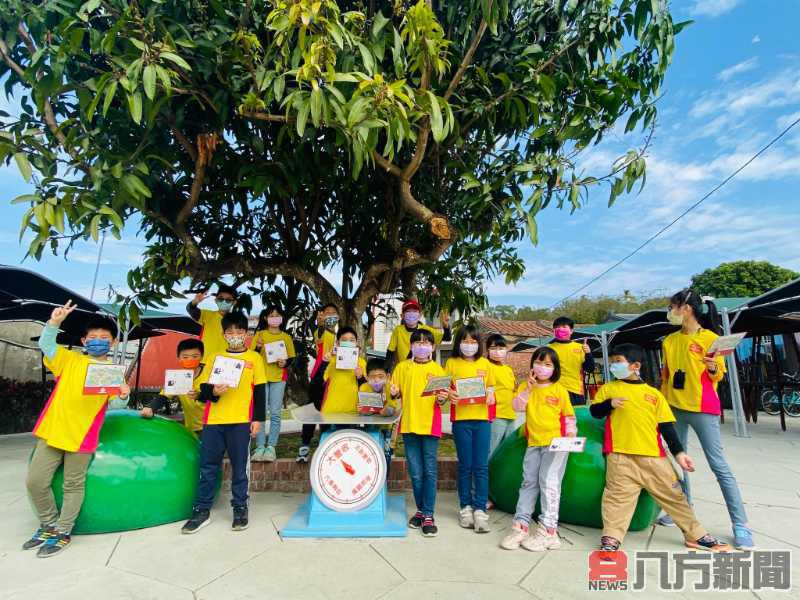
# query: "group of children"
{"points": [[225, 419]]}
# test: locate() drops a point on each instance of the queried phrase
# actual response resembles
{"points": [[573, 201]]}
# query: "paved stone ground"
{"points": [[159, 563]]}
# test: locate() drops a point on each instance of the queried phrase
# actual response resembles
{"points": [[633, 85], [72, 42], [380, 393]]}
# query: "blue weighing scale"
{"points": [[348, 475]]}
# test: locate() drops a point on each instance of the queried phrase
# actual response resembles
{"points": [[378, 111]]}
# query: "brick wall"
{"points": [[285, 475]]}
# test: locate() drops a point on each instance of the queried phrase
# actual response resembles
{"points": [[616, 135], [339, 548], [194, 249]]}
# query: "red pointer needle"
{"points": [[350, 470]]}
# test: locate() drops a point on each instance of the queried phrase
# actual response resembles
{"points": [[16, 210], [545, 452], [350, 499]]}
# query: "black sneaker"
{"points": [[40, 536], [55, 544], [429, 528], [415, 522], [199, 519], [240, 521]]}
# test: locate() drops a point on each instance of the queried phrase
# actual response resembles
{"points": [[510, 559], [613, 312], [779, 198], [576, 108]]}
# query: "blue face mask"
{"points": [[330, 322], [97, 347], [620, 370], [224, 305]]}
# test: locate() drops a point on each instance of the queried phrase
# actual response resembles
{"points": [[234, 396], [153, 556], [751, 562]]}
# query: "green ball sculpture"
{"points": [[144, 473], [583, 483]]}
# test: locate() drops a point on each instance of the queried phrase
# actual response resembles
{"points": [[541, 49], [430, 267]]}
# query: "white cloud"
{"points": [[785, 120], [756, 39], [738, 69], [713, 8], [779, 90]]}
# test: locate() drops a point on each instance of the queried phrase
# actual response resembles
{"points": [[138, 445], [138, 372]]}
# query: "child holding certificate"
{"points": [[233, 388], [420, 424], [190, 355], [548, 415], [68, 428], [342, 380], [277, 348], [471, 411]]}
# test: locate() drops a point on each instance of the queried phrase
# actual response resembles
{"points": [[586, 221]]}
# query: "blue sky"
{"points": [[733, 85]]}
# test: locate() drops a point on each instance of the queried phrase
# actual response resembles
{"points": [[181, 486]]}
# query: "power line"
{"points": [[680, 216]]}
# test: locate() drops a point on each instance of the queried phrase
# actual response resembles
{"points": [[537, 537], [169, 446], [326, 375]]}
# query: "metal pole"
{"points": [[97, 266], [604, 345], [739, 425]]}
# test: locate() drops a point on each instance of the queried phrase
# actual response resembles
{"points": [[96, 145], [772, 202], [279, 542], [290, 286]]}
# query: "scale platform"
{"points": [[348, 472]]}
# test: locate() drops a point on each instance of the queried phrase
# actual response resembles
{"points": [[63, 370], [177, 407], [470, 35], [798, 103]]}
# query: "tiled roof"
{"points": [[524, 329]]}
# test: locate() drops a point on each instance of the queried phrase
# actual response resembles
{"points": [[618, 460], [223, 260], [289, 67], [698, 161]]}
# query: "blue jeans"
{"points": [[472, 447], [501, 429], [275, 390], [706, 427], [214, 441], [421, 460]]}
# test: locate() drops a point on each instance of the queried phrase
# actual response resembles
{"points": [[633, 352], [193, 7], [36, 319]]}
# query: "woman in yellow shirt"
{"points": [[277, 349], [471, 427], [689, 383]]}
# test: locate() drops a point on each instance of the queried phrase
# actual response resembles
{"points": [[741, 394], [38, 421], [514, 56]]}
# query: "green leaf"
{"points": [[176, 59], [94, 228], [278, 86], [378, 24], [366, 58], [25, 198], [302, 117], [23, 165], [111, 89], [149, 81], [437, 124], [533, 230], [135, 106], [548, 86], [316, 106]]}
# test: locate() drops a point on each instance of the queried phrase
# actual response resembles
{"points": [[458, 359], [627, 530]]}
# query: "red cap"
{"points": [[411, 304]]}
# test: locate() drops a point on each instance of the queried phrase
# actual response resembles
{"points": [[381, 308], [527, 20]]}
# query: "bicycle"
{"points": [[790, 398]]}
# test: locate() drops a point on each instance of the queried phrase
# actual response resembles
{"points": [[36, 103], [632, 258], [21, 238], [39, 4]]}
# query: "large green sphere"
{"points": [[583, 483], [144, 473]]}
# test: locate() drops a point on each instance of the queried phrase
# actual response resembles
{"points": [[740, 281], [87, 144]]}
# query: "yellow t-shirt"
{"points": [[400, 341], [633, 427], [571, 357], [685, 353], [192, 409], [458, 368], [235, 405], [70, 420], [211, 334], [420, 414], [341, 388], [273, 371], [324, 344], [546, 413], [504, 383]]}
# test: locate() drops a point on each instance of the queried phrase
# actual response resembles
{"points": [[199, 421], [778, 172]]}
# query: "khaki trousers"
{"points": [[44, 463], [626, 476]]}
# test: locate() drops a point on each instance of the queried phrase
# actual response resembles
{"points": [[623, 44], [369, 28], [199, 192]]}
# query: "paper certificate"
{"points": [[226, 371], [724, 345], [568, 444], [178, 382], [436, 385], [471, 390], [346, 357], [276, 351], [370, 403], [103, 379]]}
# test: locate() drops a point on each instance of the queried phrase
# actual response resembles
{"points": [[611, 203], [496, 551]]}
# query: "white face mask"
{"points": [[498, 354], [674, 318], [468, 348]]}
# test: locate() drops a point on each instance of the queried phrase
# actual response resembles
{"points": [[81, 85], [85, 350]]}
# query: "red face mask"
{"points": [[189, 363]]}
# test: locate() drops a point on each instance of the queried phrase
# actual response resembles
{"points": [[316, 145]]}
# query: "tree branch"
{"points": [[262, 116], [206, 144], [466, 61]]}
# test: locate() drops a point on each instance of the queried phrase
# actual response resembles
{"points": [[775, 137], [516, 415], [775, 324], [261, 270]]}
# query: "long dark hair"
{"points": [[547, 352], [262, 317], [466, 330], [705, 311]]}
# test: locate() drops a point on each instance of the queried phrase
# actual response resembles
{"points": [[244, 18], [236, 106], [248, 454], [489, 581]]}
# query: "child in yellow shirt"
{"points": [[637, 416], [376, 384], [471, 428], [190, 355], [505, 418], [548, 415], [341, 385]]}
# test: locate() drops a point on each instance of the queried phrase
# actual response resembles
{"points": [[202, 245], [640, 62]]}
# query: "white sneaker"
{"points": [[519, 532], [269, 454], [541, 541], [302, 454], [258, 455], [466, 518], [481, 521]]}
